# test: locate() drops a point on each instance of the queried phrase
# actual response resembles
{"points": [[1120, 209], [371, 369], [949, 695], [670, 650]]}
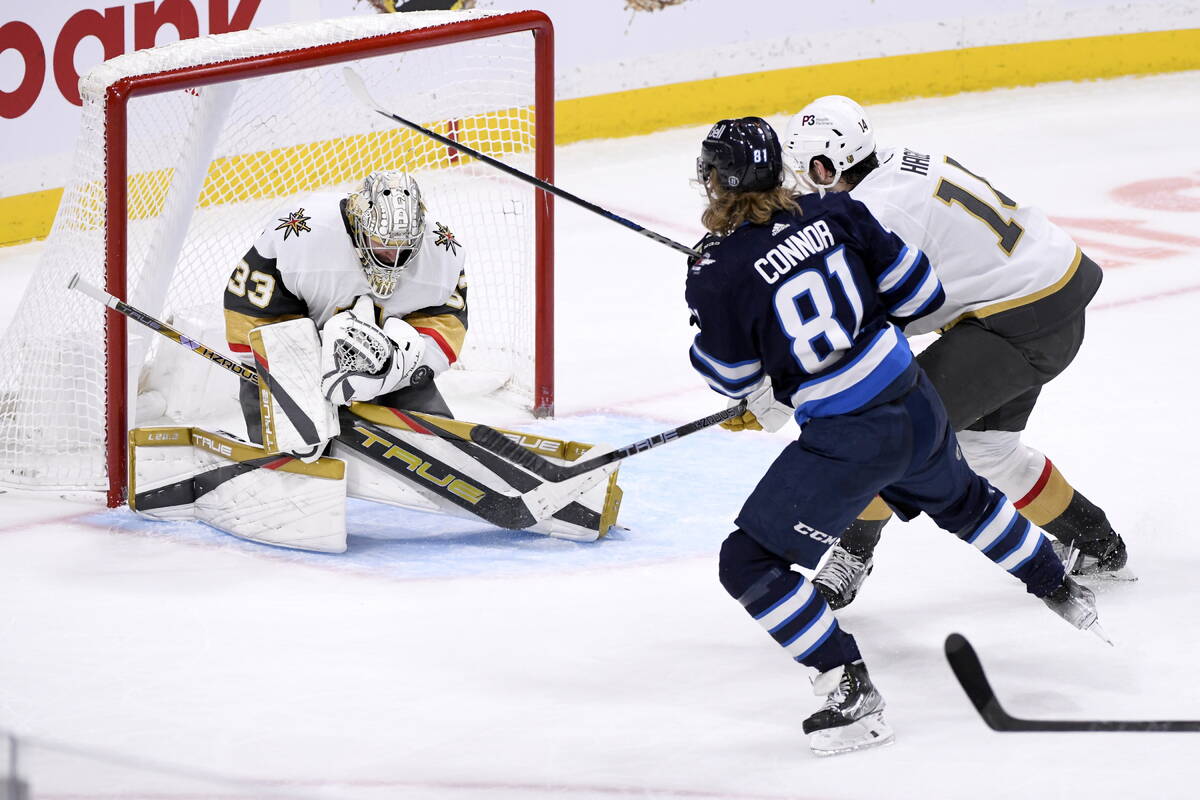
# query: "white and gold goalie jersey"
{"points": [[991, 254], [304, 265]]}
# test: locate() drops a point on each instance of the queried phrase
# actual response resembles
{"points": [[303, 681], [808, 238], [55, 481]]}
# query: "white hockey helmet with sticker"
{"points": [[833, 126]]}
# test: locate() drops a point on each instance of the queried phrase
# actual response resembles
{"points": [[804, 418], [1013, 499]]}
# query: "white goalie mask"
{"points": [[832, 126], [387, 223]]}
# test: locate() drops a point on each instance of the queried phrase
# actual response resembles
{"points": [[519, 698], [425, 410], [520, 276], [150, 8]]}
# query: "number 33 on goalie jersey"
{"points": [[813, 301], [304, 265]]}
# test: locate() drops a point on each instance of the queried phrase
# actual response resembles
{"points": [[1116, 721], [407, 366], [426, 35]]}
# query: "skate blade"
{"points": [[870, 731], [1122, 575], [1098, 631]]}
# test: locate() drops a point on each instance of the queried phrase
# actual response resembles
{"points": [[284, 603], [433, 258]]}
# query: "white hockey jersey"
{"points": [[990, 253], [304, 264]]}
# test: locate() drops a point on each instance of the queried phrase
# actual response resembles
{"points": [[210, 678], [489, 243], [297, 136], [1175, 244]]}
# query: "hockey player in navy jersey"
{"points": [[799, 300]]}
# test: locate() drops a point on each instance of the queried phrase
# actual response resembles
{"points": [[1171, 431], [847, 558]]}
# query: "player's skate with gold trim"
{"points": [[852, 715]]}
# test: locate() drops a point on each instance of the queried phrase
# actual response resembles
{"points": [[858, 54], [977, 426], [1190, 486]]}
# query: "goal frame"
{"points": [[118, 95]]}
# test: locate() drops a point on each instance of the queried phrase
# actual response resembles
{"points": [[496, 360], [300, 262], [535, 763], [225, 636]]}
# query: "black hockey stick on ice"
{"points": [[969, 672], [514, 512], [355, 82], [501, 445]]}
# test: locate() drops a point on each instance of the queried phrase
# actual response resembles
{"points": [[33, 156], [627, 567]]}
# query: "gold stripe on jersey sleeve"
{"points": [[238, 325], [1017, 302], [447, 329]]}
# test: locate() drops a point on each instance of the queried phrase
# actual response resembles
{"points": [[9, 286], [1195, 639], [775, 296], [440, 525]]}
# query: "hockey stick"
{"points": [[355, 83], [420, 377], [137, 315], [515, 512], [969, 672], [501, 445]]}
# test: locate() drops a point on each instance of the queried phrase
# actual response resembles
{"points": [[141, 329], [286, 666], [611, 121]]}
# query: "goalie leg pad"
{"points": [[192, 474], [295, 414], [418, 470]]}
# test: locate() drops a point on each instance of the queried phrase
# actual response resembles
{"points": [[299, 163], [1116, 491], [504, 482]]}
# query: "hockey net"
{"points": [[185, 152]]}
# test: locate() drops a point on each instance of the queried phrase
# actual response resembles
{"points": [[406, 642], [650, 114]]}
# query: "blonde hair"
{"points": [[727, 210]]}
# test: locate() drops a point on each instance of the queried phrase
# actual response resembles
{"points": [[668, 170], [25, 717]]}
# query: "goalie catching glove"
{"points": [[361, 361], [763, 411]]}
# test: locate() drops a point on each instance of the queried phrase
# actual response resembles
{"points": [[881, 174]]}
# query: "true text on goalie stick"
{"points": [[506, 511], [355, 82]]}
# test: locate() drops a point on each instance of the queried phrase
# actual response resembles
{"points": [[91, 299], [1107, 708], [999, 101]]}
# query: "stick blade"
{"points": [[969, 671], [358, 88]]}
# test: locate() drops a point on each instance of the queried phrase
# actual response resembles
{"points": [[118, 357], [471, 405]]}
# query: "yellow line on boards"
{"points": [[641, 111], [25, 217], [875, 80]]}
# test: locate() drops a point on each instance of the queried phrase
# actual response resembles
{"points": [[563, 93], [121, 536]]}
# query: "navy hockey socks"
{"points": [[787, 605], [1008, 539]]}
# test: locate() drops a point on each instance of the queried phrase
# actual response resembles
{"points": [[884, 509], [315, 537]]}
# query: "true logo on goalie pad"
{"points": [[536, 443], [415, 464], [211, 445]]}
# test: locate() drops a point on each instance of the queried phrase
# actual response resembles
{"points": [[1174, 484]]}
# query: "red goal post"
{"points": [[496, 114]]}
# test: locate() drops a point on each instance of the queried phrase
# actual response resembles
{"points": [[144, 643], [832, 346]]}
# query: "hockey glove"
{"points": [[360, 361], [763, 411]]}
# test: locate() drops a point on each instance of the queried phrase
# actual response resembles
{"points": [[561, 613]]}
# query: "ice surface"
{"points": [[442, 659]]}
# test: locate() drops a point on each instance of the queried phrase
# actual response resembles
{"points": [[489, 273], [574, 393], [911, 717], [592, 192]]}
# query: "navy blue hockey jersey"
{"points": [[812, 300]]}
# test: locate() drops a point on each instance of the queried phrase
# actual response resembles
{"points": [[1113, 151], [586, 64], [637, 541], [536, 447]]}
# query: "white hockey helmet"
{"points": [[387, 224], [832, 126]]}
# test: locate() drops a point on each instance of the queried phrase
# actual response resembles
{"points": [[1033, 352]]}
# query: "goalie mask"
{"points": [[387, 223], [833, 126]]}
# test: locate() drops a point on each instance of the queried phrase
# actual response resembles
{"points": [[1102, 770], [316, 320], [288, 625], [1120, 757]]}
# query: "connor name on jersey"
{"points": [[811, 300]]}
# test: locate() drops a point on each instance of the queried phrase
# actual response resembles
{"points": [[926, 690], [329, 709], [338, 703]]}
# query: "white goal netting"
{"points": [[206, 167]]}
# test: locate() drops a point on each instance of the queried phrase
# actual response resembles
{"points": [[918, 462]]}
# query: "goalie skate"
{"points": [[852, 715]]}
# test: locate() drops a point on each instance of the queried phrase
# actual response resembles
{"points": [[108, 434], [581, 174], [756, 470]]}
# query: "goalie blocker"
{"points": [[383, 455], [296, 417]]}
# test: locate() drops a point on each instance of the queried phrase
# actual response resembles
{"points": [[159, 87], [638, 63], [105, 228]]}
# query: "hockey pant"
{"points": [[903, 450]]}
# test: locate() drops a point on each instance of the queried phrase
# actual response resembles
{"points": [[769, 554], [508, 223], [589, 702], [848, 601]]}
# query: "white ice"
{"points": [[445, 660]]}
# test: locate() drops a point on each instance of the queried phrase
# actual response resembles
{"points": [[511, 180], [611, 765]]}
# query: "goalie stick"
{"points": [[969, 671], [514, 512], [495, 441], [355, 83]]}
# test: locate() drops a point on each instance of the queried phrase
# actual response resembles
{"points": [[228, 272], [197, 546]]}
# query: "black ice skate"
{"points": [[841, 577], [1101, 561], [852, 716], [1077, 605]]}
